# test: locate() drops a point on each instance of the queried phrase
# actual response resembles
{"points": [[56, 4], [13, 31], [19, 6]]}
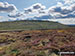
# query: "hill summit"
{"points": [[31, 25]]}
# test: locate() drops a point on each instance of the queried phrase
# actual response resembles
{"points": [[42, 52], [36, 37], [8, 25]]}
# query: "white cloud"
{"points": [[38, 6], [1, 17], [59, 4], [66, 21], [16, 14], [69, 2], [6, 7], [63, 10], [35, 8]]}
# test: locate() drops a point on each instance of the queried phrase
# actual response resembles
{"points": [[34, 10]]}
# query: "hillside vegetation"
{"points": [[37, 42], [30, 25]]}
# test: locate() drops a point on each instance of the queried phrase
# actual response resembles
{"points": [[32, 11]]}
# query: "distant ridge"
{"points": [[31, 25]]}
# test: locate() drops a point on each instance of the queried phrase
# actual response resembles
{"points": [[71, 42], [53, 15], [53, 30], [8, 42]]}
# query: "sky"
{"points": [[62, 11]]}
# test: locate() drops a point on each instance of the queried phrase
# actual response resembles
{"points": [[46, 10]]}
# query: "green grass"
{"points": [[30, 25]]}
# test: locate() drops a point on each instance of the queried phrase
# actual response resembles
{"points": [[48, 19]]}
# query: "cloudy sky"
{"points": [[62, 11]]}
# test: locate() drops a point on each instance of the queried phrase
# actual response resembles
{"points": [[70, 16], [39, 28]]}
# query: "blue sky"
{"points": [[37, 10], [21, 4]]}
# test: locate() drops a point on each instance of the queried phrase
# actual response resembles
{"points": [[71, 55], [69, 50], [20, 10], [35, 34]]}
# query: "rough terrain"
{"points": [[36, 42]]}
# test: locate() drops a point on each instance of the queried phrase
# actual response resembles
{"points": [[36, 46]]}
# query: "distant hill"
{"points": [[71, 25], [31, 25]]}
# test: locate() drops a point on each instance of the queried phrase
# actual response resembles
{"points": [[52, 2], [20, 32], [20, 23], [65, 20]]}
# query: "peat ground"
{"points": [[36, 42]]}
